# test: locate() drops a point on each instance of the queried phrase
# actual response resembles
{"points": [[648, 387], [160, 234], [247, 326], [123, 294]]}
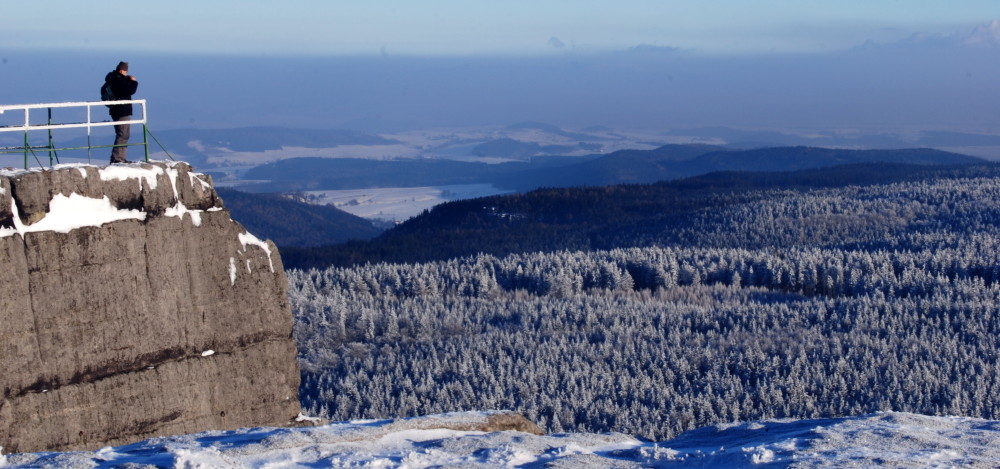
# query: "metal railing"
{"points": [[28, 127]]}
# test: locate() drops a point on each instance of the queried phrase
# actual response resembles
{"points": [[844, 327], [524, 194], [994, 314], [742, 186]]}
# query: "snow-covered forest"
{"points": [[792, 304]]}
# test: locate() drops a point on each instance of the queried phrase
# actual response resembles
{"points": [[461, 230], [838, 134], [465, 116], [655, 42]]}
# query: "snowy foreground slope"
{"points": [[882, 439]]}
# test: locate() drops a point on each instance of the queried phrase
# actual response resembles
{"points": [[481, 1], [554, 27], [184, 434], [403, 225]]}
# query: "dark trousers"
{"points": [[122, 133]]}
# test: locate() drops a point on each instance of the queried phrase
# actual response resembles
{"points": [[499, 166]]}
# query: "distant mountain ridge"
{"points": [[269, 138], [678, 161], [801, 157], [555, 130], [620, 167], [299, 174], [667, 162]]}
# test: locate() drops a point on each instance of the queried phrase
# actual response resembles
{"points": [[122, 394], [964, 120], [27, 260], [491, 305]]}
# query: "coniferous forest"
{"points": [[607, 217], [771, 302]]}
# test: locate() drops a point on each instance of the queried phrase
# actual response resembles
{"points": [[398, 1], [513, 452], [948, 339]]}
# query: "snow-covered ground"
{"points": [[875, 440], [399, 203]]}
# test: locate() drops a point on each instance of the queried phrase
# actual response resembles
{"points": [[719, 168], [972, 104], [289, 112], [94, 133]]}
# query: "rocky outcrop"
{"points": [[132, 306]]}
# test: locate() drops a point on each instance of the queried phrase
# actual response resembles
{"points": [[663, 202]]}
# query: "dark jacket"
{"points": [[123, 87]]}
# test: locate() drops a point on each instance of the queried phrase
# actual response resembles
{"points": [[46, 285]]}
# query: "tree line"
{"points": [[602, 218]]}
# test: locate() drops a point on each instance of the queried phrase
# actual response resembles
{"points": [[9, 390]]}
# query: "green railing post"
{"points": [[145, 140], [52, 147], [52, 125]]}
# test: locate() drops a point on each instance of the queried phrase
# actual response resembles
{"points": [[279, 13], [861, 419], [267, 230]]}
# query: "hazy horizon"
{"points": [[462, 28], [926, 82]]}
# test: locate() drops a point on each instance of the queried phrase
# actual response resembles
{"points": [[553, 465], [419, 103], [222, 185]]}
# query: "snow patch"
{"points": [[247, 238], [67, 213], [300, 418], [208, 353], [179, 210], [399, 203], [196, 177], [106, 454], [203, 458], [172, 173], [760, 455], [126, 172], [232, 271]]}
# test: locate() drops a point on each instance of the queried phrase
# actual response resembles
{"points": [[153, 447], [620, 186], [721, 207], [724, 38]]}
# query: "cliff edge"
{"points": [[133, 306]]}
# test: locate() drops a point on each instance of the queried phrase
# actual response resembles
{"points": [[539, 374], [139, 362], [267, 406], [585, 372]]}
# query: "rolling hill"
{"points": [[679, 161], [621, 167], [588, 218], [289, 222]]}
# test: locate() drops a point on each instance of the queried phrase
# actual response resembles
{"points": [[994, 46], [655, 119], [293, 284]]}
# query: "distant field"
{"points": [[399, 203]]}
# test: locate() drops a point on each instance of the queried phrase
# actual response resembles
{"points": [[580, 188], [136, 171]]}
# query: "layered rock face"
{"points": [[132, 306]]}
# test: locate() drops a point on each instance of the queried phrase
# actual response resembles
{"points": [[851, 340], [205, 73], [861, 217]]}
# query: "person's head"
{"points": [[122, 68]]}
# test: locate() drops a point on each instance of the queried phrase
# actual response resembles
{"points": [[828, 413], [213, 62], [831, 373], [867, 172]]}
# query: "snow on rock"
{"points": [[199, 178], [131, 186], [179, 210], [883, 439], [75, 211], [247, 238], [172, 172], [193, 177], [148, 173], [232, 271], [67, 213]]}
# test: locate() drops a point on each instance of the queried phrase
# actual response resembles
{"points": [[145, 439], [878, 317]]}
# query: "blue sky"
{"points": [[393, 64], [474, 27]]}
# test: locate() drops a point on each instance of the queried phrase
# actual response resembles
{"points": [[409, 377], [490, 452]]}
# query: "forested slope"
{"points": [[609, 217], [290, 223], [788, 302]]}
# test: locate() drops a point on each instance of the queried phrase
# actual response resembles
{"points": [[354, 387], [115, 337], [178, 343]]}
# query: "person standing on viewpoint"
{"points": [[123, 86]]}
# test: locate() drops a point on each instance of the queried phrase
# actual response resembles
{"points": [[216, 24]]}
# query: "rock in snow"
{"points": [[885, 439]]}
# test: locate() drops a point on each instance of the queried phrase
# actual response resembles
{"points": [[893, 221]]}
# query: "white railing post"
{"points": [[88, 134]]}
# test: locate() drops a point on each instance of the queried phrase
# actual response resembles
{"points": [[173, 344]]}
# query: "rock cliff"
{"points": [[132, 306]]}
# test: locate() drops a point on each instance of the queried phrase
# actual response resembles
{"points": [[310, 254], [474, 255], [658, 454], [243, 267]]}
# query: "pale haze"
{"points": [[436, 27], [868, 66]]}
